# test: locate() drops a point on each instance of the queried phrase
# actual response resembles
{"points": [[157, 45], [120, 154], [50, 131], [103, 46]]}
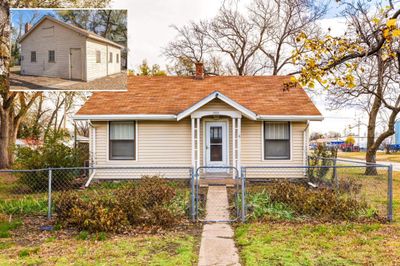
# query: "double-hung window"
{"points": [[52, 56], [122, 140], [33, 56], [98, 56], [276, 140]]}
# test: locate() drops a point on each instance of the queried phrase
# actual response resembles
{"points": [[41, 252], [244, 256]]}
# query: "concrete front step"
{"points": [[229, 182]]}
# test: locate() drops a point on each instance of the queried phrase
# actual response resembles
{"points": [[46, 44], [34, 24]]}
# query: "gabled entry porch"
{"points": [[216, 142]]}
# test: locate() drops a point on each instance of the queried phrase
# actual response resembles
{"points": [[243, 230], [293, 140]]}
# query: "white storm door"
{"points": [[216, 145]]}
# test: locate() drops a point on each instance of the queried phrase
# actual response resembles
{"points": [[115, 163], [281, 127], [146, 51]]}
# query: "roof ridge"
{"points": [[89, 34]]}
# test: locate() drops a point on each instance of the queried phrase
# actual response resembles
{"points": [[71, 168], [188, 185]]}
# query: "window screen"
{"points": [[122, 140], [52, 56], [111, 57], [276, 140], [98, 57], [33, 56], [117, 58]]}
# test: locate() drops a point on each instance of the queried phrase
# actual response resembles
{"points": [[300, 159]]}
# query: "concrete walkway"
{"points": [[217, 245]]}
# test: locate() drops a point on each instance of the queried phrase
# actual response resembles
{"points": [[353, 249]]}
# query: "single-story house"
{"points": [[199, 121], [53, 48]]}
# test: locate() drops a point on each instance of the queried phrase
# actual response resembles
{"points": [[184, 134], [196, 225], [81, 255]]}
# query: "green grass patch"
{"points": [[261, 207], [169, 249], [24, 206], [6, 227], [321, 244]]}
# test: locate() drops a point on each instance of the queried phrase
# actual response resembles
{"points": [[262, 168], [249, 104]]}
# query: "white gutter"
{"points": [[305, 138], [93, 150], [125, 117], [290, 117], [170, 117]]}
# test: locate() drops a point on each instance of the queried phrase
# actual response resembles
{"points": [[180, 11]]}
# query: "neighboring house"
{"points": [[195, 121], [53, 48]]}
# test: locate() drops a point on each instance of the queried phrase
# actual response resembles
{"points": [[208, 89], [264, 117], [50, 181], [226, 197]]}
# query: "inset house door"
{"points": [[76, 63], [216, 145]]}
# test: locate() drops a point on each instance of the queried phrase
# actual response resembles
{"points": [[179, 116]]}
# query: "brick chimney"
{"points": [[199, 71], [28, 26]]}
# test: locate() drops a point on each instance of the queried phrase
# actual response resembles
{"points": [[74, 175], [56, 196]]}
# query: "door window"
{"points": [[216, 143]]}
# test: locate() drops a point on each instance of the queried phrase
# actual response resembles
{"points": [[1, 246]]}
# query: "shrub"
{"points": [[261, 207], [322, 203], [98, 214], [53, 153], [321, 156], [150, 201]]}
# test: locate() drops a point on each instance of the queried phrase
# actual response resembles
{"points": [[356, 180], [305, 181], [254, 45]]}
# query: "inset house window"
{"points": [[111, 58], [52, 56], [117, 58], [98, 56], [276, 140], [33, 56], [122, 140]]}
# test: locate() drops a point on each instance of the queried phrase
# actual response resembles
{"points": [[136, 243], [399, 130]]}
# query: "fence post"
{"points": [[335, 178], [390, 193], [243, 177], [193, 208], [49, 203]]}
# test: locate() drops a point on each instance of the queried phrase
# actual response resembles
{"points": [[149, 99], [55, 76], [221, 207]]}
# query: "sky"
{"points": [[149, 30]]}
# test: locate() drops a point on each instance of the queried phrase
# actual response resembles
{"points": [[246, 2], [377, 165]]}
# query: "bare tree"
{"points": [[257, 41]]}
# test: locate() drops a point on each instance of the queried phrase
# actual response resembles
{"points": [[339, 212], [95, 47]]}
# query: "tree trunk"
{"points": [[5, 145], [370, 156]]}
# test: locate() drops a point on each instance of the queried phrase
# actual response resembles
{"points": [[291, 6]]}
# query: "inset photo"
{"points": [[68, 49]]}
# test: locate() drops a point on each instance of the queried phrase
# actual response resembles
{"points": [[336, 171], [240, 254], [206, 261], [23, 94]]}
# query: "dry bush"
{"points": [[146, 202]]}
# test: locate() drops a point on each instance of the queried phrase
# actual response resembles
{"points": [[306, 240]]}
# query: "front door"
{"points": [[216, 145], [76, 64]]}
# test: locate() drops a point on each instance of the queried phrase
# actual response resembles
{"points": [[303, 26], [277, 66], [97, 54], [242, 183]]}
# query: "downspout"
{"points": [[93, 153], [305, 139]]}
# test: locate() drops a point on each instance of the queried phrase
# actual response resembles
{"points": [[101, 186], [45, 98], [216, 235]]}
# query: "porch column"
{"points": [[239, 137], [193, 144], [195, 123], [233, 141], [198, 142]]}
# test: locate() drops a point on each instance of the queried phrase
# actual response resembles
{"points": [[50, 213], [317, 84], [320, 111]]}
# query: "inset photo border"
{"points": [[69, 49]]}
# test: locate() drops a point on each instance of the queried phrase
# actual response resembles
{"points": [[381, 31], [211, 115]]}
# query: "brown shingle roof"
{"points": [[264, 95]]}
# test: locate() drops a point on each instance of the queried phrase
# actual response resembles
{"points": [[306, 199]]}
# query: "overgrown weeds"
{"points": [[24, 206], [150, 202], [286, 201]]}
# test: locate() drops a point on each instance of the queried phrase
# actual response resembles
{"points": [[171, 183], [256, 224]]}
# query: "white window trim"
{"points": [[290, 140], [136, 145]]}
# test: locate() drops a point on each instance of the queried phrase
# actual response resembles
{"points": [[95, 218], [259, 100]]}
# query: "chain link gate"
{"points": [[218, 194]]}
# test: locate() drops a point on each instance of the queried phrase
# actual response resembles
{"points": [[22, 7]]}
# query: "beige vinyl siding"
{"points": [[50, 36], [252, 151], [165, 143], [96, 70]]}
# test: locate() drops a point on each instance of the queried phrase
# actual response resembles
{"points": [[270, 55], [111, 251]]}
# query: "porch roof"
{"points": [[172, 97]]}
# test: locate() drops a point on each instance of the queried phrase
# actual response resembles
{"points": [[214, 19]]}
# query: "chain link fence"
{"points": [[35, 192], [371, 184]]}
